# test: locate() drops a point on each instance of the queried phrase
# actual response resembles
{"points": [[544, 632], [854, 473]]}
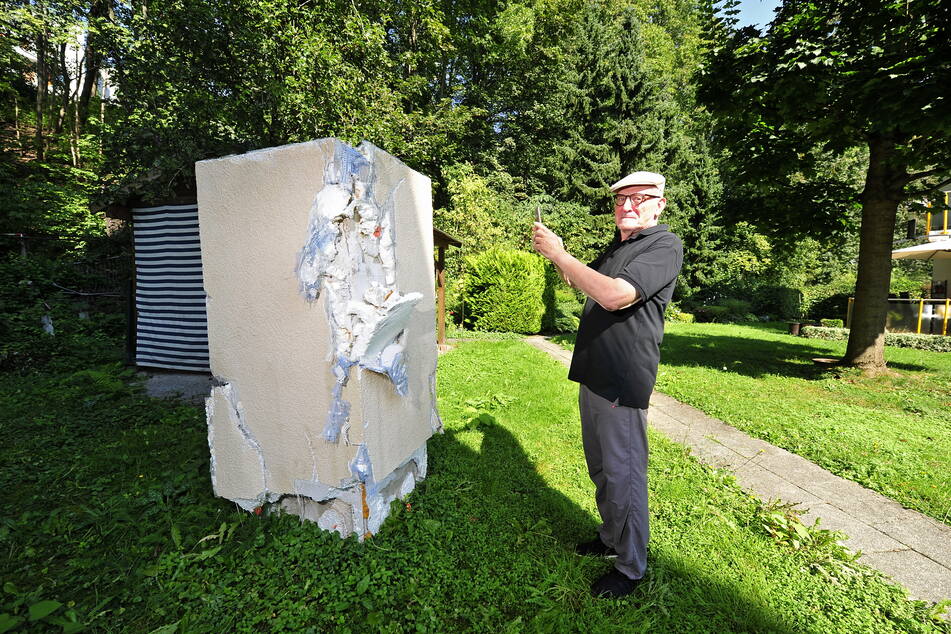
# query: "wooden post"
{"points": [[947, 309], [921, 308], [441, 296], [848, 313]]}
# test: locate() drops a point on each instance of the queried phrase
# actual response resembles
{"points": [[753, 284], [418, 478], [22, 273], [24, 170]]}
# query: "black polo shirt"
{"points": [[617, 352]]}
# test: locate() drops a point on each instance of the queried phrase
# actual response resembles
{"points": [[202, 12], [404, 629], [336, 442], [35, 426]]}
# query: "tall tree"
{"points": [[42, 78], [616, 120], [840, 74], [98, 22], [615, 110], [197, 80], [60, 33]]}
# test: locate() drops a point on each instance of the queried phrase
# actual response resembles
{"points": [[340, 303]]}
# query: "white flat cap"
{"points": [[642, 178]]}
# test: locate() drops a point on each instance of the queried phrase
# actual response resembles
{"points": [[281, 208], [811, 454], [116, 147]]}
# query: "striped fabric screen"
{"points": [[171, 324]]}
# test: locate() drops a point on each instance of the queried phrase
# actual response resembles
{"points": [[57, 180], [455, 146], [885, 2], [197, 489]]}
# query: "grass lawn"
{"points": [[891, 433], [108, 511]]}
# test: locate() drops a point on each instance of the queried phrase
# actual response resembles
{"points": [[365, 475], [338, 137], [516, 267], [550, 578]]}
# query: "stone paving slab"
{"points": [[769, 486], [923, 534], [188, 386], [908, 564], [912, 548], [859, 535]]}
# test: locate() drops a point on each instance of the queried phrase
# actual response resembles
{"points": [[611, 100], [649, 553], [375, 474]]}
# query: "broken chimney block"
{"points": [[318, 269]]}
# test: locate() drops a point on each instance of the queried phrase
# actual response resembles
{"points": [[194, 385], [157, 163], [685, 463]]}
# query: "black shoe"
{"points": [[595, 547], [613, 585]]}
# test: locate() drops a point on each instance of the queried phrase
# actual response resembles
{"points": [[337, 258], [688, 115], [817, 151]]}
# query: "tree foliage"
{"points": [[835, 76], [199, 80], [508, 106]]}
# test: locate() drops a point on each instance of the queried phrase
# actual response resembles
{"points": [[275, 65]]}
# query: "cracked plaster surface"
{"points": [[353, 338]]}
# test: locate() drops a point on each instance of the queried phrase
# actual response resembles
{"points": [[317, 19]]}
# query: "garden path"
{"points": [[912, 548]]}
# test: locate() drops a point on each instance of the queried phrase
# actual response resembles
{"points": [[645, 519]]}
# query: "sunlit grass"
{"points": [[109, 511], [891, 433]]}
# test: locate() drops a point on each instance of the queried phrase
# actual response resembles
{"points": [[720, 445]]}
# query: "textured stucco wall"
{"points": [[318, 268], [942, 270]]}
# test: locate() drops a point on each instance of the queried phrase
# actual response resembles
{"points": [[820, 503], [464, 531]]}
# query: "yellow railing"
{"points": [[921, 310], [944, 223]]}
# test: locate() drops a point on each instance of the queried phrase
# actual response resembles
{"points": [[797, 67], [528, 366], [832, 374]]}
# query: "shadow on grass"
{"points": [[114, 512], [750, 356], [529, 539], [121, 520], [753, 357]]}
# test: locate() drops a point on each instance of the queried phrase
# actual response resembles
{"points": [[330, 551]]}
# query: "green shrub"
{"points": [[738, 309], [712, 313], [831, 298], [674, 313], [831, 323], [835, 304], [552, 280], [562, 308], [503, 291], [783, 301], [905, 282], [728, 310], [823, 332], [48, 199], [567, 316], [934, 343], [454, 331], [31, 290]]}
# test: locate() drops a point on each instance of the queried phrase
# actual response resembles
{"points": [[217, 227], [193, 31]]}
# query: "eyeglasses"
{"points": [[636, 199]]}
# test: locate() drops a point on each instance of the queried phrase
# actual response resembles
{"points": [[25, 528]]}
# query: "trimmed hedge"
{"points": [[503, 291], [674, 313], [823, 332], [729, 310], [831, 323], [562, 308], [934, 343]]}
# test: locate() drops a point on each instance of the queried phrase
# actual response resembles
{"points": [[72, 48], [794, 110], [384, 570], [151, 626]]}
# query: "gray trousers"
{"points": [[615, 448]]}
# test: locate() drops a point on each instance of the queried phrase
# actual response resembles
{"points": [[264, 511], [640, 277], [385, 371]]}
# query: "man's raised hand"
{"points": [[545, 241]]}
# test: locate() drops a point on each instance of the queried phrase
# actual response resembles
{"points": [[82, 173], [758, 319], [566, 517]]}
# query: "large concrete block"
{"points": [[318, 267]]}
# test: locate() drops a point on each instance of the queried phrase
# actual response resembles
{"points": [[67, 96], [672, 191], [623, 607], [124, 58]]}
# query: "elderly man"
{"points": [[615, 361]]}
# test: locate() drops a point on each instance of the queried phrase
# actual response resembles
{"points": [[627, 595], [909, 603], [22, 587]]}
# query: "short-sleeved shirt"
{"points": [[617, 352]]}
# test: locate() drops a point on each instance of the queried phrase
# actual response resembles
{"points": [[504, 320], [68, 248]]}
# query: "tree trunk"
{"points": [[64, 100], [74, 141], [883, 192], [16, 115], [89, 83], [98, 13], [102, 123], [40, 91], [74, 129]]}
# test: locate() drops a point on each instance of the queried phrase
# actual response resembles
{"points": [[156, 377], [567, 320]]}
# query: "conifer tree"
{"points": [[614, 121], [619, 119]]}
